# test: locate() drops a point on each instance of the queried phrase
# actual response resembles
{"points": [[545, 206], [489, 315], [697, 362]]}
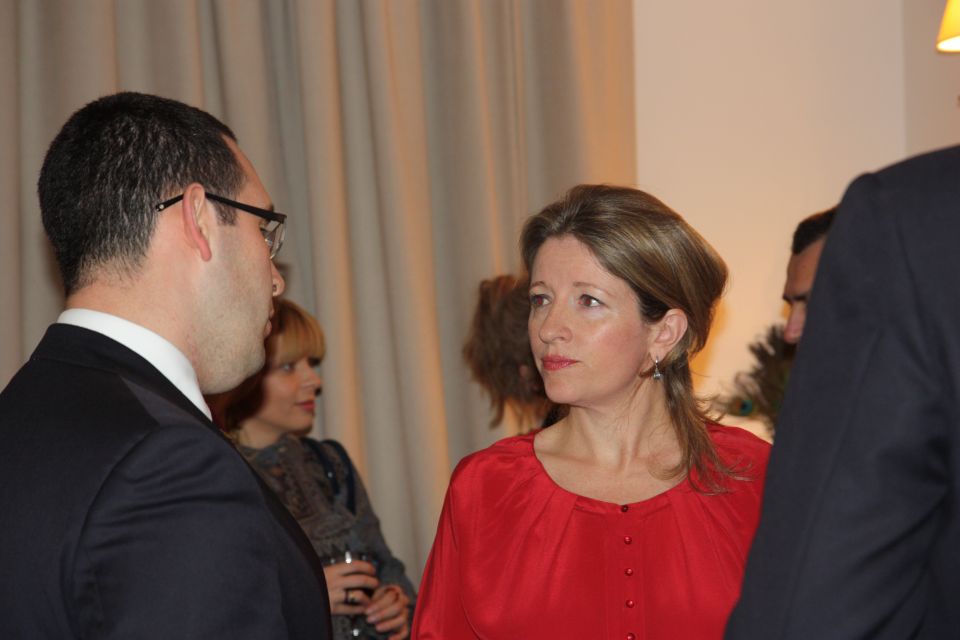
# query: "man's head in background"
{"points": [[808, 240]]}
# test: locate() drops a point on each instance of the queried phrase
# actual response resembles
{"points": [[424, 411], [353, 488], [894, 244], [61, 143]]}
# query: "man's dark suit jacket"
{"points": [[859, 535], [127, 515]]}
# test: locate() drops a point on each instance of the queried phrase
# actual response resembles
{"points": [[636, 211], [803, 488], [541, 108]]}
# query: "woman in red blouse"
{"points": [[632, 516]]}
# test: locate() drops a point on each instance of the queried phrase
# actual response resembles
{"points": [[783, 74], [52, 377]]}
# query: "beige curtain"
{"points": [[407, 140]]}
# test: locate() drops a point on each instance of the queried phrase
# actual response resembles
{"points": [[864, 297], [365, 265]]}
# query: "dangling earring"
{"points": [[656, 369]]}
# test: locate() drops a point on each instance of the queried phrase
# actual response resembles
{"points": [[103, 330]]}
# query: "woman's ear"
{"points": [[667, 333], [198, 215]]}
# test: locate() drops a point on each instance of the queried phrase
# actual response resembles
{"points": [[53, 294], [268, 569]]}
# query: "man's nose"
{"points": [[794, 328], [278, 282]]}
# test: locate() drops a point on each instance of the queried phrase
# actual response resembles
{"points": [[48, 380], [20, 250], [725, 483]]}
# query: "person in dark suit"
{"points": [[125, 513], [861, 517]]}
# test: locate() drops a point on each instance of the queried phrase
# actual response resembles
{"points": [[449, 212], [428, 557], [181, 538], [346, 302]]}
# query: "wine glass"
{"points": [[349, 556]]}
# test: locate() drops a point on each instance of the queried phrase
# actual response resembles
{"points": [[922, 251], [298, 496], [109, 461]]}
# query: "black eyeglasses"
{"points": [[273, 231]]}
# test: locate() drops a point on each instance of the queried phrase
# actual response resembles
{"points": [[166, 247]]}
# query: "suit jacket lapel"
{"points": [[76, 345]]}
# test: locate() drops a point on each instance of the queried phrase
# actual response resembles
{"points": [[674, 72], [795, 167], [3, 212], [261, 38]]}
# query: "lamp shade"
{"points": [[949, 38]]}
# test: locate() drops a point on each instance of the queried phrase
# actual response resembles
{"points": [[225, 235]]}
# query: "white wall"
{"points": [[753, 114]]}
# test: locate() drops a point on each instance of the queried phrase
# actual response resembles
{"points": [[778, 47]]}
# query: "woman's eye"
{"points": [[589, 301], [537, 300], [287, 367]]}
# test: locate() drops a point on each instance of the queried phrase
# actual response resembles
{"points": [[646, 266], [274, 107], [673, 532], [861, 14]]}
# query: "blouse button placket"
{"points": [[629, 602]]}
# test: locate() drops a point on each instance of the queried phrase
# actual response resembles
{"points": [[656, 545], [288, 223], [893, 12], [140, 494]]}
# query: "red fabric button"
{"points": [[631, 636], [624, 508], [627, 539], [630, 604], [628, 571]]}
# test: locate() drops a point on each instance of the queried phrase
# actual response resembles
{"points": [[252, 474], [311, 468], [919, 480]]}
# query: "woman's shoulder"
{"points": [[327, 445], [325, 453], [734, 441], [505, 481], [741, 451], [506, 461], [506, 451]]}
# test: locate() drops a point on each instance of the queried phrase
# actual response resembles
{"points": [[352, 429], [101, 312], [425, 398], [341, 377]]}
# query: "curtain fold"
{"points": [[406, 139], [525, 99], [12, 196]]}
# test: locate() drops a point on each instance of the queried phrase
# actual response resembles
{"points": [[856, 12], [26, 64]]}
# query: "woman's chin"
{"points": [[559, 394]]}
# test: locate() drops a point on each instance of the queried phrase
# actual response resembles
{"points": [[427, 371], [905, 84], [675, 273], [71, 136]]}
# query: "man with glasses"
{"points": [[125, 512], [273, 229]]}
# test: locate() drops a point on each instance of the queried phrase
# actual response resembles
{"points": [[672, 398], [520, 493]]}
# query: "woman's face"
{"points": [[289, 396], [587, 335]]}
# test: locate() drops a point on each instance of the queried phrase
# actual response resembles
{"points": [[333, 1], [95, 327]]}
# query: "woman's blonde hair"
{"points": [[640, 240], [296, 334]]}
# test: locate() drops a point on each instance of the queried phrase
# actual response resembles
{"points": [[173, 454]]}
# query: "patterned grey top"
{"points": [[319, 502]]}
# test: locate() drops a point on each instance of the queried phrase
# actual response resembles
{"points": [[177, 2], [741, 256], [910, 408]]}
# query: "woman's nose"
{"points": [[311, 378], [554, 324]]}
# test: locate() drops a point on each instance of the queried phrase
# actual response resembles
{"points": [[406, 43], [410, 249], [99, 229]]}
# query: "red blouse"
{"points": [[517, 556]]}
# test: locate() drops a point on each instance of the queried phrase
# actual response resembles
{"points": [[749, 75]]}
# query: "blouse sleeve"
{"points": [[440, 613]]}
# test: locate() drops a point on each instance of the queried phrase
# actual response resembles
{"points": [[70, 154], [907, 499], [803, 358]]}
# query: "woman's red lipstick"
{"points": [[555, 363]]}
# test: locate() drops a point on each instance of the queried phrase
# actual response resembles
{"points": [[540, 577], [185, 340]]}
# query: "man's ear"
{"points": [[198, 216], [667, 332]]}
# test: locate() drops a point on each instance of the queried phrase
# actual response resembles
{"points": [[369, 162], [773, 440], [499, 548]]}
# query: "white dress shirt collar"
{"points": [[153, 348]]}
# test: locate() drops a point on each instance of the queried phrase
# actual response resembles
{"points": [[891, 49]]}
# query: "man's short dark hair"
{"points": [[812, 229], [110, 165]]}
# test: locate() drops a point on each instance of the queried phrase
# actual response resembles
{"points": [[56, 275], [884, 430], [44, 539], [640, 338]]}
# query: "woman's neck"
{"points": [[256, 435], [638, 430], [619, 457]]}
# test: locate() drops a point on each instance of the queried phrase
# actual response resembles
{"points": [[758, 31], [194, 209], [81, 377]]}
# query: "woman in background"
{"points": [[631, 517], [268, 417], [497, 351]]}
